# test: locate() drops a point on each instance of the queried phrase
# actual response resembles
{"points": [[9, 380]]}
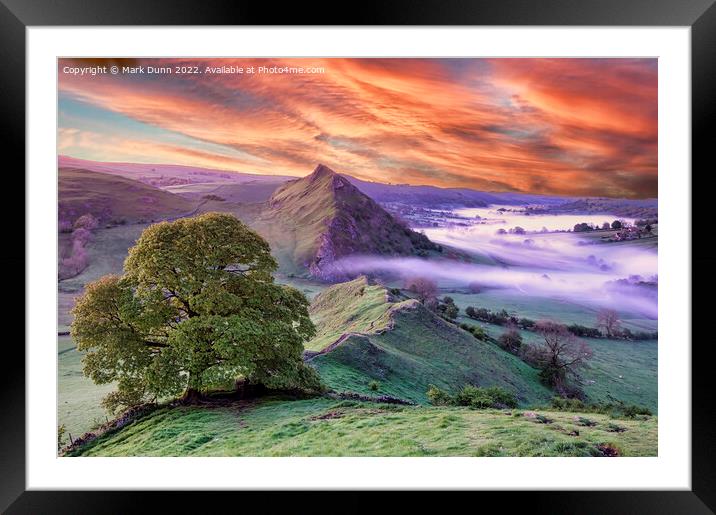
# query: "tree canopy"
{"points": [[196, 308]]}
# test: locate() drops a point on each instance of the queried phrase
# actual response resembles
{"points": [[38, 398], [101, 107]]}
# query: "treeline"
{"points": [[504, 318]]}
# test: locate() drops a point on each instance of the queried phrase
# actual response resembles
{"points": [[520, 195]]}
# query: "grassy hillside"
{"points": [[107, 251], [619, 369], [352, 307], [111, 198], [406, 347], [325, 427]]}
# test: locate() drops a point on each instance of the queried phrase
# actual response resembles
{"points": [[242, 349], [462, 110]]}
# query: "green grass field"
{"points": [[325, 427], [78, 402], [537, 308], [619, 369]]}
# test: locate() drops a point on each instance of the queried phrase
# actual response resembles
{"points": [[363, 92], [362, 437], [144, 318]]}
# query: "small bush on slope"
{"points": [[473, 397]]}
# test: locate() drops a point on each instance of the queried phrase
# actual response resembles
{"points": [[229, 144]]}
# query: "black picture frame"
{"points": [[700, 15]]}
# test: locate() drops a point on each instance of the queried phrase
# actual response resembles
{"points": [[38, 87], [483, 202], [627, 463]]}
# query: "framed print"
{"points": [[414, 250]]}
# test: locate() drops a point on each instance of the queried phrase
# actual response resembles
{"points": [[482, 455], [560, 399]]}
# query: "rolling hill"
{"points": [[167, 175], [112, 198], [434, 196], [314, 221], [365, 334], [242, 192]]}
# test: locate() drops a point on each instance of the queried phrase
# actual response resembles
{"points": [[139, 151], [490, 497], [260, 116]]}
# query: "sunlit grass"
{"points": [[324, 427]]}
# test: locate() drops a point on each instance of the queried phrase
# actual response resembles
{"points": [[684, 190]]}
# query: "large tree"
{"points": [[559, 356], [196, 308]]}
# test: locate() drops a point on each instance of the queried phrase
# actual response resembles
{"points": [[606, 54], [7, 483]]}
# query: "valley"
{"points": [[353, 248]]}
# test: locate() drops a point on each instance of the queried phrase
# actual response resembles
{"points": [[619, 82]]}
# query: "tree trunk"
{"points": [[245, 390], [191, 395]]}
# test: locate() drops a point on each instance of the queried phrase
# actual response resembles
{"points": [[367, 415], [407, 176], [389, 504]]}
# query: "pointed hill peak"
{"points": [[322, 171], [322, 217], [325, 175]]}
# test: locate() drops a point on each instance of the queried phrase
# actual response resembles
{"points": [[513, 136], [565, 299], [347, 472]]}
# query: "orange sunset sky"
{"points": [[553, 126]]}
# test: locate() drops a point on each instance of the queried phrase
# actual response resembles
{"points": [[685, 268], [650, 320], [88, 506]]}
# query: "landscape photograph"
{"points": [[375, 257]]}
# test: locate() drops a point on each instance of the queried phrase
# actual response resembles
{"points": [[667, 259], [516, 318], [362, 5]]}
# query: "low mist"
{"points": [[558, 265]]}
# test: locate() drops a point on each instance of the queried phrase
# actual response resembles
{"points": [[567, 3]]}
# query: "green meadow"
{"points": [[325, 427]]}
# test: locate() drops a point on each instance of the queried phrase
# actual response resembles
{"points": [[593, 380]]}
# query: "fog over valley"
{"points": [[541, 259]]}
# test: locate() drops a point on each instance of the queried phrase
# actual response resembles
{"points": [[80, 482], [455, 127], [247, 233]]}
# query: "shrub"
{"points": [[584, 331], [438, 397], [481, 398], [61, 430], [632, 410], [583, 227], [642, 335], [562, 404], [447, 308], [86, 221], [478, 332], [510, 340], [374, 386], [543, 420], [475, 330], [526, 323], [617, 409], [492, 317], [585, 422]]}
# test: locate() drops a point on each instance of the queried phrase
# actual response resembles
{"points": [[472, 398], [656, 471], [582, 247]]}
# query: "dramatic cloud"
{"points": [[561, 126]]}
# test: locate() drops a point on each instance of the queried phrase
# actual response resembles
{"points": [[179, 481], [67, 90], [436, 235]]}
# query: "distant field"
{"points": [[537, 308], [250, 192], [78, 403], [308, 287], [107, 252], [325, 427], [619, 369], [647, 242]]}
